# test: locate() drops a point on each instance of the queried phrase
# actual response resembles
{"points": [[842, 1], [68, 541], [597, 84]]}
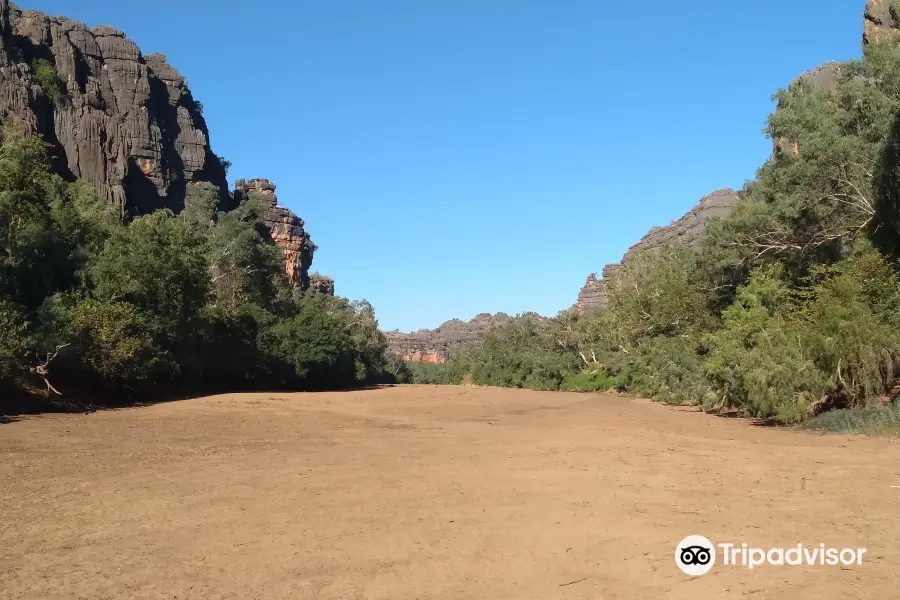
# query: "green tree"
{"points": [[656, 293], [113, 338], [245, 268], [852, 316], [312, 348], [158, 263]]}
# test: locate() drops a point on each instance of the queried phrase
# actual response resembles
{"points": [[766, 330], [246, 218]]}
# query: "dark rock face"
{"points": [[685, 230], [286, 228], [320, 284], [125, 122], [592, 296], [434, 345]]}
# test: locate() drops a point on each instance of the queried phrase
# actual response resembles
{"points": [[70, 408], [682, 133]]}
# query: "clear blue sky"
{"points": [[452, 158]]}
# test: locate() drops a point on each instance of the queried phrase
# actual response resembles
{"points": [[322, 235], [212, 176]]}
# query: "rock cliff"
{"points": [[320, 284], [592, 296], [685, 230], [881, 21], [286, 228], [434, 345], [125, 122]]}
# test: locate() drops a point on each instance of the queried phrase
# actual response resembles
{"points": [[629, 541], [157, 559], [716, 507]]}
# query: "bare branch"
{"points": [[42, 370]]}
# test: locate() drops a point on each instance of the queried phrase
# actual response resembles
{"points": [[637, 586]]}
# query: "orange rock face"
{"points": [[418, 356], [285, 228], [881, 22], [435, 345], [293, 245]]}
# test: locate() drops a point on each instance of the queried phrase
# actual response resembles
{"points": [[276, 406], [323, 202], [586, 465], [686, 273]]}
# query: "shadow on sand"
{"points": [[24, 404]]}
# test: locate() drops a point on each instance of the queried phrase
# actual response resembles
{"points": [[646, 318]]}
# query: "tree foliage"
{"points": [[198, 301]]}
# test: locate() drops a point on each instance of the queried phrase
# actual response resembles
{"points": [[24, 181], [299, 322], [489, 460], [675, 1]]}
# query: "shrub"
{"points": [[853, 321], [313, 347], [759, 361], [668, 369], [114, 340], [158, 264], [48, 79], [876, 419], [429, 374], [16, 341], [599, 381]]}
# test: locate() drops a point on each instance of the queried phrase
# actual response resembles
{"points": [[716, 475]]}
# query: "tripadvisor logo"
{"points": [[695, 555]]}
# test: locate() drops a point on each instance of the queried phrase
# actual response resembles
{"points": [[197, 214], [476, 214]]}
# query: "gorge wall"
{"points": [[881, 22], [124, 121], [434, 345], [685, 230], [287, 231]]}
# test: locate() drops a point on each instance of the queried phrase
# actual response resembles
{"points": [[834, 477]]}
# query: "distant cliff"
{"points": [[434, 345], [685, 230]]}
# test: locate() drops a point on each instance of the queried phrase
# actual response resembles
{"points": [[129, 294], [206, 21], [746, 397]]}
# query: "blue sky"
{"points": [[452, 158]]}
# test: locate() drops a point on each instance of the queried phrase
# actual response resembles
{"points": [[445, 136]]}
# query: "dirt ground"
{"points": [[432, 492]]}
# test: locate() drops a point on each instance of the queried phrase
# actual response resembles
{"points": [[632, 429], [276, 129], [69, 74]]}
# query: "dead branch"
{"points": [[43, 369]]}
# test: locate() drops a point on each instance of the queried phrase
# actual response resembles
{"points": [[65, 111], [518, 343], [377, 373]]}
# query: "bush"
{"points": [[16, 341], [876, 419], [114, 340], [668, 369], [759, 362], [159, 265], [853, 319], [429, 374], [48, 79], [594, 382], [313, 347], [522, 353], [397, 369]]}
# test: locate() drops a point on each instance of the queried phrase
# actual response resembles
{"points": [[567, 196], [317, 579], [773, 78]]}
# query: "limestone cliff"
{"points": [[592, 296], [685, 230], [434, 345], [320, 284], [881, 21], [286, 228], [123, 121]]}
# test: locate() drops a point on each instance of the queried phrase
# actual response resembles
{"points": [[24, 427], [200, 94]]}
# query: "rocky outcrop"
{"points": [[592, 296], [881, 21], [286, 229], [823, 78], [435, 345], [320, 284], [123, 121], [685, 230]]}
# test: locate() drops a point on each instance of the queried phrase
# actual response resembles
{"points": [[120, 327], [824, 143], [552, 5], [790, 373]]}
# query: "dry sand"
{"points": [[431, 492]]}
